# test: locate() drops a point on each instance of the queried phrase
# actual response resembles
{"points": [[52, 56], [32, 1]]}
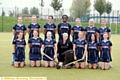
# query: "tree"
{"points": [[86, 6], [56, 5], [11, 13], [25, 10], [108, 7], [34, 11], [79, 8], [100, 6]]}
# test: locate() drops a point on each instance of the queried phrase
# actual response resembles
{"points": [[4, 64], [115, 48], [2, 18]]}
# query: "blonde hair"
{"points": [[19, 17], [65, 34], [91, 20], [80, 32], [34, 16], [49, 32], [78, 19]]}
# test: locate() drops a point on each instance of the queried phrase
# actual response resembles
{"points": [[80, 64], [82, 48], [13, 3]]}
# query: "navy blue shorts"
{"points": [[92, 60], [105, 59], [34, 57], [19, 58]]}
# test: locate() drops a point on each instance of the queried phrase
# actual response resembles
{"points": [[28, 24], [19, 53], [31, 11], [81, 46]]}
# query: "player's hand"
{"points": [[83, 58], [13, 52], [43, 53], [75, 57], [55, 56]]}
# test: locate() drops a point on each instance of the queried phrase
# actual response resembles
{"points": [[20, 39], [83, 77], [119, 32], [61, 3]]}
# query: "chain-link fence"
{"points": [[8, 17]]}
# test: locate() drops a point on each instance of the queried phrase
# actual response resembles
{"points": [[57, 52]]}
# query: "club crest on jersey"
{"points": [[82, 42], [94, 44], [107, 43], [67, 44], [51, 42]]}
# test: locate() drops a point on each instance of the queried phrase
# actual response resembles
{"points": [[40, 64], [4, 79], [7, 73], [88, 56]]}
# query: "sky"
{"points": [[10, 4]]}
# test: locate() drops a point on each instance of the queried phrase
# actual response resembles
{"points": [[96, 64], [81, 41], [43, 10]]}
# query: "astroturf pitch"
{"points": [[6, 70]]}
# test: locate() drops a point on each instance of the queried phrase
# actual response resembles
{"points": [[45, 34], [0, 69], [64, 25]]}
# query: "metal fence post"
{"points": [[2, 19]]}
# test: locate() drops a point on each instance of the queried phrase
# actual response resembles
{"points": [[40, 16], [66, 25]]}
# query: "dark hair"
{"points": [[35, 30], [20, 32], [90, 40], [64, 15], [50, 16]]}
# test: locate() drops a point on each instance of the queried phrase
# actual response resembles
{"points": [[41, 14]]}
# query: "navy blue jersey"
{"points": [[105, 55], [19, 51], [76, 29], [90, 31], [49, 48], [101, 31], [64, 28], [93, 52], [33, 27], [80, 47], [35, 52], [18, 28], [51, 28]]}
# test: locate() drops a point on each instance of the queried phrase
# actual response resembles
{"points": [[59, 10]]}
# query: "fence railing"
{"points": [[8, 17]]}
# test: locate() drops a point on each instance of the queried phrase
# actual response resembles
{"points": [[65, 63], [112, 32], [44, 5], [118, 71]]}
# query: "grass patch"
{"points": [[52, 73]]}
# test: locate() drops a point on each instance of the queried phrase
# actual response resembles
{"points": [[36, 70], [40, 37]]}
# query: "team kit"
{"points": [[90, 44]]}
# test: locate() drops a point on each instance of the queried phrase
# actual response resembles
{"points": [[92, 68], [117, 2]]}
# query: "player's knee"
{"points": [[106, 68], [21, 66], [102, 68], [94, 67], [38, 65], [82, 67], [51, 65], [45, 65], [16, 66], [90, 67], [77, 66], [32, 65]]}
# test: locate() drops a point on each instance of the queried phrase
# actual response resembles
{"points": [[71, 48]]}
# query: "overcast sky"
{"points": [[30, 3]]}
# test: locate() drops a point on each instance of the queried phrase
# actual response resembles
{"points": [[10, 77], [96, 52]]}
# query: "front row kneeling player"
{"points": [[35, 43], [19, 50], [49, 47], [93, 55], [63, 46], [105, 52], [80, 49]]}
